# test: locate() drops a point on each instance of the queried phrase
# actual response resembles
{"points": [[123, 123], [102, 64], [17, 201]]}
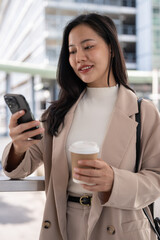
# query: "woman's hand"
{"points": [[100, 174], [21, 140]]}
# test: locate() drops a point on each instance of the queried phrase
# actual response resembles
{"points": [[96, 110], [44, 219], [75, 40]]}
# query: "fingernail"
{"points": [[21, 111]]}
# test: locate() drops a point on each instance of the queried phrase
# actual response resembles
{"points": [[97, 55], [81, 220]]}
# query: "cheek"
{"points": [[98, 57], [103, 60], [73, 65], [71, 62]]}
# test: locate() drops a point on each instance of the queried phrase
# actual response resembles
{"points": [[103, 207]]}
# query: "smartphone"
{"points": [[17, 102]]}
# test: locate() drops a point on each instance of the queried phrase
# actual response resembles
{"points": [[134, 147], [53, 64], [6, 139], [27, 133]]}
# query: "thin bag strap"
{"points": [[138, 146], [151, 223], [138, 140]]}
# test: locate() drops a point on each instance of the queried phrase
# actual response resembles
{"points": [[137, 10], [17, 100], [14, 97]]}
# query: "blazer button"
{"points": [[46, 224], [111, 230]]}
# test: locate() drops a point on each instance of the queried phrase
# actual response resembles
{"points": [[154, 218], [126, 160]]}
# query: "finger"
{"points": [[32, 133], [93, 188], [25, 126], [19, 129], [92, 163], [99, 187], [15, 117], [88, 172], [89, 180]]}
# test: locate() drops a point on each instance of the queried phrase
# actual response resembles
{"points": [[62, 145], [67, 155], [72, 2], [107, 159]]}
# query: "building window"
{"points": [[129, 3], [129, 29], [156, 10]]}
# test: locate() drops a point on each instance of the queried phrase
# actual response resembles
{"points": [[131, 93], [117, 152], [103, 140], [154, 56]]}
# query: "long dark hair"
{"points": [[71, 86]]}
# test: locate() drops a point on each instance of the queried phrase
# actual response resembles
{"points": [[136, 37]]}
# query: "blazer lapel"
{"points": [[117, 140], [120, 131], [60, 169]]}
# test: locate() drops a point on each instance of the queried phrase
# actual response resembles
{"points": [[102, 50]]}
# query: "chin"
{"points": [[87, 81]]}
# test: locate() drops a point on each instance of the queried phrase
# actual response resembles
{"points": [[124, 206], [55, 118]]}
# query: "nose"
{"points": [[80, 56]]}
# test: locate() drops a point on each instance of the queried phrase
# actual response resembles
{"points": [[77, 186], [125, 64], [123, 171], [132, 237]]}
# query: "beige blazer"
{"points": [[121, 218]]}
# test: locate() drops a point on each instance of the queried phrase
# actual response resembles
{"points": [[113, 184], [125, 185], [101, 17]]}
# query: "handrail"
{"points": [[45, 71], [38, 184], [22, 185]]}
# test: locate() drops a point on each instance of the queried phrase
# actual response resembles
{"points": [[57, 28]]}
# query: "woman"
{"points": [[95, 103]]}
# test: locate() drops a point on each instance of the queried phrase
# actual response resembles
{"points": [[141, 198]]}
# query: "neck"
{"points": [[104, 84]]}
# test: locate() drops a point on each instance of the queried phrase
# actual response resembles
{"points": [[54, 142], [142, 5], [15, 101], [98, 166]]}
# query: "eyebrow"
{"points": [[85, 40]]}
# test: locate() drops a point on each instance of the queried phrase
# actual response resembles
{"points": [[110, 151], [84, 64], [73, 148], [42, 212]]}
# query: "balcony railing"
{"points": [[126, 3], [37, 184], [21, 185]]}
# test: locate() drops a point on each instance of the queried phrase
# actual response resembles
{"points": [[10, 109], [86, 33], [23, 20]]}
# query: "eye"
{"points": [[89, 47], [72, 52]]}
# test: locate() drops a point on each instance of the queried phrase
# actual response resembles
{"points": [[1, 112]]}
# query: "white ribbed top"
{"points": [[90, 123]]}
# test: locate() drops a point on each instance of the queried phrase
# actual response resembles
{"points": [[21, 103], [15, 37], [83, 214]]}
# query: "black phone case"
{"points": [[17, 102]]}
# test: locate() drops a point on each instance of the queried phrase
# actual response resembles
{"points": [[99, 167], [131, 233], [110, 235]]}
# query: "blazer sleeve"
{"points": [[131, 190], [32, 160]]}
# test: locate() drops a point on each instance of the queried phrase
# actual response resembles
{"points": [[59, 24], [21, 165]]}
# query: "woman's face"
{"points": [[89, 56]]}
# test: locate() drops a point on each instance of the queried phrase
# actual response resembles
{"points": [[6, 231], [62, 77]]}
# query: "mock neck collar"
{"points": [[102, 92]]}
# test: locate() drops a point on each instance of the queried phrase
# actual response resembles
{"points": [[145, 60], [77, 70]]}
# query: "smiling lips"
{"points": [[85, 69]]}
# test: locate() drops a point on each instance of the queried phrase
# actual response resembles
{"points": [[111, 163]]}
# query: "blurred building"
{"points": [[31, 33], [148, 34]]}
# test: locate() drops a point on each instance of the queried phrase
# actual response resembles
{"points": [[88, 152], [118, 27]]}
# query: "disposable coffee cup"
{"points": [[82, 150]]}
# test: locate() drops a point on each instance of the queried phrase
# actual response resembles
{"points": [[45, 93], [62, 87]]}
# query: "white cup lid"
{"points": [[84, 147]]}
